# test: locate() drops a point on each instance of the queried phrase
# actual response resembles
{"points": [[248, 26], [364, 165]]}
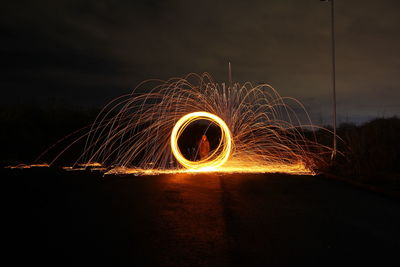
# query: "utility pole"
{"points": [[333, 156]]}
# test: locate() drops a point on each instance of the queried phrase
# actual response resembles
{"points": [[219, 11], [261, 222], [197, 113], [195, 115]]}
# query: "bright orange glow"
{"points": [[25, 166], [91, 164], [298, 169], [214, 160]]}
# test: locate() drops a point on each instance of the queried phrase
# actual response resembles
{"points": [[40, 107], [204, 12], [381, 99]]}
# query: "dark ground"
{"points": [[84, 219]]}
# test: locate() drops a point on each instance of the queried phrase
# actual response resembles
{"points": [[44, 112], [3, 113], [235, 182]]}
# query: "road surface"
{"points": [[84, 219]]}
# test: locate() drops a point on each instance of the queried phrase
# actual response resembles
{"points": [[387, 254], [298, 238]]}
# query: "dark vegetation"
{"points": [[369, 153]]}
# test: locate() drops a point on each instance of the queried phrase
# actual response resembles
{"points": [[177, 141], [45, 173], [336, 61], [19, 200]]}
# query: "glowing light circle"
{"points": [[214, 160]]}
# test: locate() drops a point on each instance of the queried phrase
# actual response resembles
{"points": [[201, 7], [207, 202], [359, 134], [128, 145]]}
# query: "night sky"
{"points": [[85, 53]]}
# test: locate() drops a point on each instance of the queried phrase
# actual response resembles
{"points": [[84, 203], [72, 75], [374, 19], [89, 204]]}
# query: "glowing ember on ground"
{"points": [[90, 164], [93, 166], [25, 166], [299, 169]]}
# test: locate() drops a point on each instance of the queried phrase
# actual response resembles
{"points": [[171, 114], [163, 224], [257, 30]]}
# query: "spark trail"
{"points": [[260, 130]]}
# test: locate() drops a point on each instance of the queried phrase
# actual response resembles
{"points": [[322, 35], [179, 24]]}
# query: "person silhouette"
{"points": [[204, 147]]}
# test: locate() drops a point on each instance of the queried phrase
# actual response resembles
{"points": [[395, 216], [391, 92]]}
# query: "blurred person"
{"points": [[204, 147]]}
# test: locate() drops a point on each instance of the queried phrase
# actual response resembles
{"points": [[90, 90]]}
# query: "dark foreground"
{"points": [[83, 219]]}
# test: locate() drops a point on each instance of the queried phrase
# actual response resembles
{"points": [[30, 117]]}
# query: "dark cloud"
{"points": [[88, 52]]}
